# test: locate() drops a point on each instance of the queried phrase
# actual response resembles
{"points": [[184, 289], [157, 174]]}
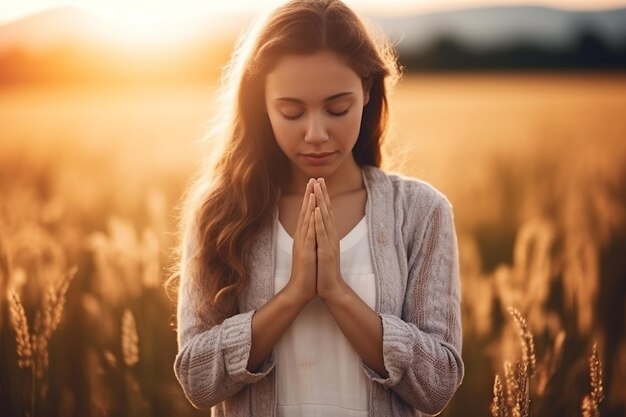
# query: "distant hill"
{"points": [[485, 28], [69, 44], [514, 37]]}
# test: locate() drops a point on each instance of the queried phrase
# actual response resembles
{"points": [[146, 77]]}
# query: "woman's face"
{"points": [[315, 103]]}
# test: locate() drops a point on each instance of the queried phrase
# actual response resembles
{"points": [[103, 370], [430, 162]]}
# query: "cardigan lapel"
{"points": [[260, 264], [260, 289], [382, 238], [382, 235]]}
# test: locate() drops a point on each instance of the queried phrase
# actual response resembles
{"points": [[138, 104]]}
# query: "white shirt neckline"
{"points": [[285, 241]]}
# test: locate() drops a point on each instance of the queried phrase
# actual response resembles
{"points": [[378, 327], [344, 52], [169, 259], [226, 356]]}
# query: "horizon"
{"points": [[152, 12], [75, 42]]}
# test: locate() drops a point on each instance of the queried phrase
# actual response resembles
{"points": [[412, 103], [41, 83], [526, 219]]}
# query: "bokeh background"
{"points": [[517, 112]]}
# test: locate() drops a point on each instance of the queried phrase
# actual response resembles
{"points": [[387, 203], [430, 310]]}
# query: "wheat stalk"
{"points": [[517, 377], [54, 301], [595, 370], [26, 344], [130, 339], [511, 385], [498, 406], [525, 368], [591, 402], [22, 334], [47, 320], [522, 400], [528, 345], [589, 408], [32, 349]]}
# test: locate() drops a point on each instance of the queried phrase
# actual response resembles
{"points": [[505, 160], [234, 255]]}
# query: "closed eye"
{"points": [[292, 117], [343, 113]]}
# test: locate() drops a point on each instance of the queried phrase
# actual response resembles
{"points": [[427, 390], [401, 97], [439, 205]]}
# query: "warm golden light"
{"points": [[136, 26], [154, 26], [104, 107], [151, 10]]}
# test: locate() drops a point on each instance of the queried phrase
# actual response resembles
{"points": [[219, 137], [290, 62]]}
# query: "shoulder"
{"points": [[408, 193]]}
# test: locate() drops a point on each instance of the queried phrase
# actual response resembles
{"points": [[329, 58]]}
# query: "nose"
{"points": [[316, 131]]}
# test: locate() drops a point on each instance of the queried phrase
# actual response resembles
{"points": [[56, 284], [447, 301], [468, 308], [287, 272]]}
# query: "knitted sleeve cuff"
{"points": [[236, 344], [397, 352]]}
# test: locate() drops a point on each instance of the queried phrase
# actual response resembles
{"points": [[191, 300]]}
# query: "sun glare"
{"points": [[155, 26], [162, 24]]}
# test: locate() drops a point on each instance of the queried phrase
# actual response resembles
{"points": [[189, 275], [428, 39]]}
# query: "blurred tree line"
{"points": [[75, 64], [589, 50]]}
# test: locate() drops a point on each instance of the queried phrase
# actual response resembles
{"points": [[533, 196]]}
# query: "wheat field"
{"points": [[534, 164]]}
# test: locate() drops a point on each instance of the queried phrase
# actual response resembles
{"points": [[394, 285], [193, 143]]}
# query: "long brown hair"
{"points": [[236, 193]]}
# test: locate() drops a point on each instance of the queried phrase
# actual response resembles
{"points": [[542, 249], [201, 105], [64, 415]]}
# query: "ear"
{"points": [[367, 87]]}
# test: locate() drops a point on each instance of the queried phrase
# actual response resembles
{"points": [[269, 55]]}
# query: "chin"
{"points": [[318, 171]]}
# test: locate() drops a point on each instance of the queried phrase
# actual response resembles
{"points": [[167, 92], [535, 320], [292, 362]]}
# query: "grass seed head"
{"points": [[498, 406], [22, 334], [528, 345], [130, 339], [591, 402]]}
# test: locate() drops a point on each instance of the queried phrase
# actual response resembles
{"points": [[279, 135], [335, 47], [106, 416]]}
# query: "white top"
{"points": [[318, 371]]}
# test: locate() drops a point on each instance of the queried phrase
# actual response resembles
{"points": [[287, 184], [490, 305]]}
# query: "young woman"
{"points": [[313, 283]]}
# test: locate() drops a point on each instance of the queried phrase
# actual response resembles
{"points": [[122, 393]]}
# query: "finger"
{"points": [[326, 196], [325, 193], [305, 203], [320, 231], [328, 224], [308, 214], [309, 238], [319, 198], [305, 199]]}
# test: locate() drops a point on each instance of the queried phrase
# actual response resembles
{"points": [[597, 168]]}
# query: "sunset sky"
{"points": [[145, 9]]}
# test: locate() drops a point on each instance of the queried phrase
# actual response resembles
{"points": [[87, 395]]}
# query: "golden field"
{"points": [[534, 164]]}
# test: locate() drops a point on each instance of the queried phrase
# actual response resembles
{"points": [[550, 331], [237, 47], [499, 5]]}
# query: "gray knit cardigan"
{"points": [[415, 260]]}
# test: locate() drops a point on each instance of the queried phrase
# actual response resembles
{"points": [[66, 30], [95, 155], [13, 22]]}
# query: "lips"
{"points": [[318, 158], [318, 155]]}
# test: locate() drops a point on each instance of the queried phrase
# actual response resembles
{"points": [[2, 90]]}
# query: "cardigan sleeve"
{"points": [[211, 361], [422, 350]]}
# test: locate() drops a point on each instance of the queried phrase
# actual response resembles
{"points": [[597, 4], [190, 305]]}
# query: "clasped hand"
{"points": [[315, 264]]}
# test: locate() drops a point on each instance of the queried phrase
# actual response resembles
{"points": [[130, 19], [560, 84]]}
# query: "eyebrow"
{"points": [[327, 99]]}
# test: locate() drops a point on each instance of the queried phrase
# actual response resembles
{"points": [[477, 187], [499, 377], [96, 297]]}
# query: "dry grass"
{"points": [[534, 166], [517, 401], [529, 361], [32, 347], [499, 406], [47, 320], [22, 334], [130, 340], [591, 403]]}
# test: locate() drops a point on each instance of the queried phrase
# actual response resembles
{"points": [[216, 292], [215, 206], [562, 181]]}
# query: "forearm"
{"points": [[361, 325], [270, 322]]}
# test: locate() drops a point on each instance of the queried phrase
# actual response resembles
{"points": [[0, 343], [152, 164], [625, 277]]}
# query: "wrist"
{"points": [[295, 295], [337, 294]]}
